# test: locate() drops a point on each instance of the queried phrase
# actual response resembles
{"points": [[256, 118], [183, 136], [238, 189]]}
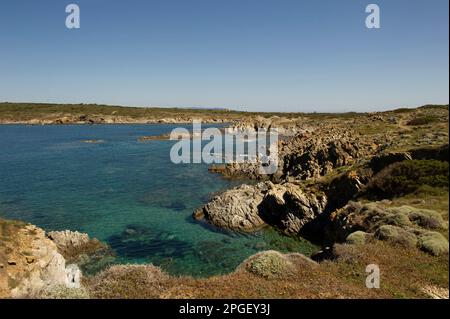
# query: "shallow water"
{"points": [[124, 192]]}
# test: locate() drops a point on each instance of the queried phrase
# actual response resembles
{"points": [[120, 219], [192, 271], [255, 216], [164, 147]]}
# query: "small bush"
{"points": [[268, 264], [397, 219], [127, 281], [407, 177], [423, 120], [433, 243], [357, 238], [396, 235], [425, 218]]}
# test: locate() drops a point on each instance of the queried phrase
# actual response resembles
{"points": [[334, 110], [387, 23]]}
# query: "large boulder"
{"points": [[248, 208], [289, 207], [236, 209]]}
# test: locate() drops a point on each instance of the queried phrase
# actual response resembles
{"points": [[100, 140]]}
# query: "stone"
{"points": [[290, 208], [73, 276], [236, 209]]}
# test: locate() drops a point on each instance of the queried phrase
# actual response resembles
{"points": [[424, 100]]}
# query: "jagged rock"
{"points": [[248, 208], [77, 248], [317, 154], [236, 209], [68, 239], [289, 208], [345, 186], [20, 277], [309, 154]]}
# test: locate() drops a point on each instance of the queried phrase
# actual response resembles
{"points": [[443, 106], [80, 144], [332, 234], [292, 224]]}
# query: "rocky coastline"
{"points": [[369, 188]]}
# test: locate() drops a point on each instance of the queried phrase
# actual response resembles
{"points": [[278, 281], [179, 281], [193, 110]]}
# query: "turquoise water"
{"points": [[124, 192]]}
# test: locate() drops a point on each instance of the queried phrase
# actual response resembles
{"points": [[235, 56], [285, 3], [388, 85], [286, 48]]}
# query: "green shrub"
{"points": [[425, 218], [357, 238], [396, 235], [423, 120], [268, 264], [407, 177], [433, 243]]}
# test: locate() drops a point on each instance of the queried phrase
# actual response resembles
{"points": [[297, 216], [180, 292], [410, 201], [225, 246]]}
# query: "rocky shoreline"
{"points": [[370, 188], [336, 184], [79, 120]]}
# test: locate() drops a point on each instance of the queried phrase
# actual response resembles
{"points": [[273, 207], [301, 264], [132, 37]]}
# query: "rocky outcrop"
{"points": [[284, 125], [161, 137], [30, 261], [34, 264], [318, 154], [68, 240], [248, 208], [289, 207], [236, 209], [310, 155], [90, 255]]}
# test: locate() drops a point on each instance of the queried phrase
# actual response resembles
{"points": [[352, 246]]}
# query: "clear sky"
{"points": [[265, 55]]}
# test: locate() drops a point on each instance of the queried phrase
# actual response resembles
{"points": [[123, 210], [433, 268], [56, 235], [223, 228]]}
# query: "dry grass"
{"points": [[404, 274]]}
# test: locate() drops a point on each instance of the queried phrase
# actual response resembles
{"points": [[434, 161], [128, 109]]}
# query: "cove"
{"points": [[124, 192]]}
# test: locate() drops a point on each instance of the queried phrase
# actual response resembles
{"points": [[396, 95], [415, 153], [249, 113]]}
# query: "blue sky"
{"points": [[265, 55]]}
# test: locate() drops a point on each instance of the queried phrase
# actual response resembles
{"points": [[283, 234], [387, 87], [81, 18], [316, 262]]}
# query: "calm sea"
{"points": [[124, 192]]}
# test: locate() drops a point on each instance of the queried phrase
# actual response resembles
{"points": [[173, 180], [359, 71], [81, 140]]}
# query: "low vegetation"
{"points": [[408, 177], [269, 264], [433, 243], [423, 120]]}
